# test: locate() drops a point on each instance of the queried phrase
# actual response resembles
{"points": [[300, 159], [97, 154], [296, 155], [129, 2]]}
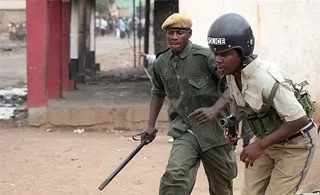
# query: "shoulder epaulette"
{"points": [[161, 52], [197, 49]]}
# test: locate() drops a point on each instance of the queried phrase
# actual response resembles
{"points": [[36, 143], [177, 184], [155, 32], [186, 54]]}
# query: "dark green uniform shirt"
{"points": [[190, 81]]}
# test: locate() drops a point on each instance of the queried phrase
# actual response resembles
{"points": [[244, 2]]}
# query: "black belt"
{"points": [[306, 130]]}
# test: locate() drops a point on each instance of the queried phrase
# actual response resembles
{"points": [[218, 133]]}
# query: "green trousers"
{"points": [[180, 176]]}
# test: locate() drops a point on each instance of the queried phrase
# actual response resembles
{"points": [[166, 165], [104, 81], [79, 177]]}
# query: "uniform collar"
{"points": [[184, 52], [251, 67]]}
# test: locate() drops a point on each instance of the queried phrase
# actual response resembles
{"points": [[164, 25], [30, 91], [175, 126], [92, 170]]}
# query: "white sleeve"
{"points": [[287, 104], [150, 58]]}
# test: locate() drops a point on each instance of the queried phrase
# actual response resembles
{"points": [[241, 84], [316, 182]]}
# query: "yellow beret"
{"points": [[177, 20]]}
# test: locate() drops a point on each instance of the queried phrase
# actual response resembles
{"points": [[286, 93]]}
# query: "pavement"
{"points": [[121, 106]]}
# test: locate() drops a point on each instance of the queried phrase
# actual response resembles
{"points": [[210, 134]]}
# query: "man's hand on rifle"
{"points": [[149, 134], [204, 115]]}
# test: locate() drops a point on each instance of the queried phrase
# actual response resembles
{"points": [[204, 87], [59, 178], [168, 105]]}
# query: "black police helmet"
{"points": [[231, 31]]}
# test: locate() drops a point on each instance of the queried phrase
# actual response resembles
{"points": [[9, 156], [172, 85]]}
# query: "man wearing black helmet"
{"points": [[279, 159]]}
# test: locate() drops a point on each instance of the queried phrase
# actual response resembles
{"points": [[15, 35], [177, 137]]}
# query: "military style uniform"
{"points": [[190, 81], [245, 134], [283, 166]]}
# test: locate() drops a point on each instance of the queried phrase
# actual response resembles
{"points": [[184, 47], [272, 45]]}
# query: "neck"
{"points": [[176, 53], [237, 75]]}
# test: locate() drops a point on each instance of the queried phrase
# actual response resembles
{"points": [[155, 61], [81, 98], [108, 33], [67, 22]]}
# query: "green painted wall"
{"points": [[129, 4]]}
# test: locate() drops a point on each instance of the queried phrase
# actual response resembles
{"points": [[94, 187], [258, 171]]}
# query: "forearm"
{"points": [[223, 101], [155, 107], [234, 109], [283, 132]]}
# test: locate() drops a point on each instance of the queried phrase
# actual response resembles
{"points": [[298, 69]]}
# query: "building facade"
{"points": [[11, 11]]}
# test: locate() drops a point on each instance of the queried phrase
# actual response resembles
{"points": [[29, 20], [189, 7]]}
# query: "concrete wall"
{"points": [[7, 16], [287, 32]]}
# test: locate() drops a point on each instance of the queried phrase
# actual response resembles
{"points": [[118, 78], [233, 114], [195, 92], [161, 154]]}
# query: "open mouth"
{"points": [[220, 68]]}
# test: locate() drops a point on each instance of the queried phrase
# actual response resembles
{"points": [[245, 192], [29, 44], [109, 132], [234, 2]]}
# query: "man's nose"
{"points": [[218, 59], [175, 35]]}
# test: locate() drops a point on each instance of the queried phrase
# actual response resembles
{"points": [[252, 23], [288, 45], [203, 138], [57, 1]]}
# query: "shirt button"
{"points": [[182, 92], [186, 107], [178, 76]]}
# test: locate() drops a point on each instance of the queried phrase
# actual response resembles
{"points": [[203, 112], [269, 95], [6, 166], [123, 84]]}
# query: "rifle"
{"points": [[229, 123], [125, 162]]}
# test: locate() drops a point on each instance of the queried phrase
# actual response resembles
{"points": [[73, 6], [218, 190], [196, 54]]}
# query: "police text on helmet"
{"points": [[216, 41]]}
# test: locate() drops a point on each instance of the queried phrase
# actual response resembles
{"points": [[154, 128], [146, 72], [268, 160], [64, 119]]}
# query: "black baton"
{"points": [[123, 164]]}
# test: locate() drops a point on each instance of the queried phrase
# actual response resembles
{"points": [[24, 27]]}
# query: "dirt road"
{"points": [[37, 162]]}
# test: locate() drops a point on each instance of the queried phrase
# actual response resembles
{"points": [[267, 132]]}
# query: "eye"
{"points": [[223, 54], [180, 32]]}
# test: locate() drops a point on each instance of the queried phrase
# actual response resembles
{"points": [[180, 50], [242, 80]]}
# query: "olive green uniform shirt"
{"points": [[190, 81]]}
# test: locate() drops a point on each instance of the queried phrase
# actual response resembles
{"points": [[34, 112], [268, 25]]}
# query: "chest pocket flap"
{"points": [[253, 102], [199, 82]]}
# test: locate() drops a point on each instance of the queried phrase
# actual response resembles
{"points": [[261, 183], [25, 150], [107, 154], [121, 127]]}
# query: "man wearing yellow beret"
{"points": [[186, 74]]}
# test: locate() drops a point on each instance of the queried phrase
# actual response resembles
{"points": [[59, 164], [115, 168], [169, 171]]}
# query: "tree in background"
{"points": [[102, 5]]}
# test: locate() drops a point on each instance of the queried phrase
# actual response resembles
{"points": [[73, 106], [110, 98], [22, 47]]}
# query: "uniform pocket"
{"points": [[199, 86], [232, 162], [254, 103], [309, 138], [171, 86], [264, 125], [199, 83], [222, 161]]}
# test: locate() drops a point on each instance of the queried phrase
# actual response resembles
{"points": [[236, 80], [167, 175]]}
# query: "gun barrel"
{"points": [[122, 165], [223, 122]]}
